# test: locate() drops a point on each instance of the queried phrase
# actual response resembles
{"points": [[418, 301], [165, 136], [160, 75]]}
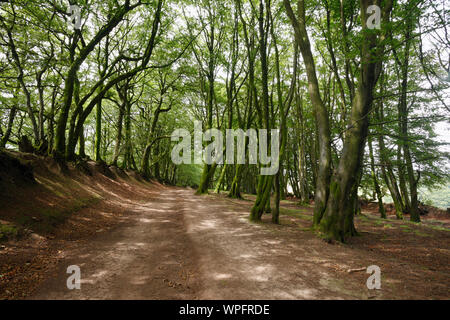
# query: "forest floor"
{"points": [[136, 240]]}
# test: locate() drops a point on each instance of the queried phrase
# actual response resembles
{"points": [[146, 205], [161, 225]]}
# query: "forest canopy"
{"points": [[359, 90]]}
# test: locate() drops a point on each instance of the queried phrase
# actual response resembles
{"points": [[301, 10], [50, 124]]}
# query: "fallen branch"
{"points": [[356, 270]]}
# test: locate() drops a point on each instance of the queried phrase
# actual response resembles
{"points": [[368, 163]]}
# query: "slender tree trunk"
{"points": [[413, 182], [41, 107], [376, 185], [7, 134], [119, 135], [235, 191], [98, 132], [284, 111], [127, 158], [402, 175], [386, 169], [221, 179], [51, 122], [207, 176], [82, 150], [276, 212]]}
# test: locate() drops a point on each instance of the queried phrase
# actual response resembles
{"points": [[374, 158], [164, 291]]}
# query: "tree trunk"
{"points": [[98, 132], [82, 150], [221, 179], [7, 134], [208, 170], [119, 135], [263, 196], [376, 185], [386, 169], [320, 110], [403, 116], [235, 191], [207, 176], [265, 184], [337, 222]]}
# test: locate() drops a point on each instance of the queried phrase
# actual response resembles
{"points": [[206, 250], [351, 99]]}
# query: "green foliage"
{"points": [[7, 232], [189, 175], [438, 197]]}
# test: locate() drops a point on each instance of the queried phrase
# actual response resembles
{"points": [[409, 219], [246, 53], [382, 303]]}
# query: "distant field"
{"points": [[439, 198]]}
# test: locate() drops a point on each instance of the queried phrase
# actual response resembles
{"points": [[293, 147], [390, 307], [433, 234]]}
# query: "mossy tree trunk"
{"points": [[263, 196], [337, 222], [207, 176], [235, 191], [82, 145], [276, 211], [265, 184], [221, 180]]}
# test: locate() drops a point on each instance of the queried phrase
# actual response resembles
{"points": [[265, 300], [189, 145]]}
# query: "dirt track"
{"points": [[179, 246]]}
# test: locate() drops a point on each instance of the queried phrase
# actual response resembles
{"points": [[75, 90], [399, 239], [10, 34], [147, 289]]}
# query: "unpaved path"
{"points": [[180, 246], [150, 257]]}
